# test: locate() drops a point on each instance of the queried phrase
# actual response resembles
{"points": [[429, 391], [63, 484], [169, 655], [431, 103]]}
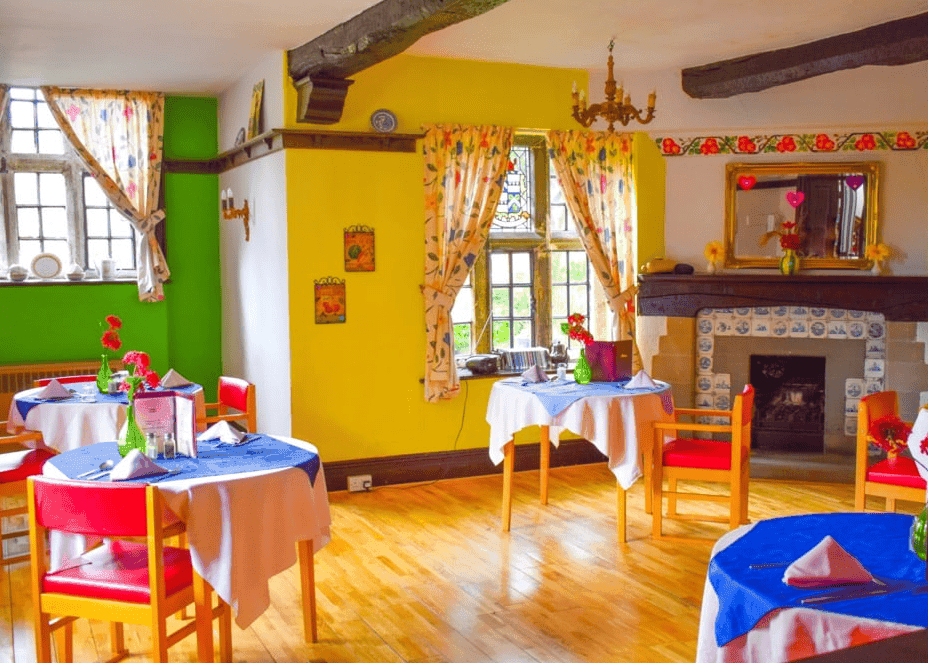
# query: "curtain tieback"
{"points": [[441, 297], [148, 223]]}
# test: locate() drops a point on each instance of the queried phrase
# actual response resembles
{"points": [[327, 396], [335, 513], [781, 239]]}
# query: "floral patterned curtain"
{"points": [[595, 172], [119, 137], [464, 171]]}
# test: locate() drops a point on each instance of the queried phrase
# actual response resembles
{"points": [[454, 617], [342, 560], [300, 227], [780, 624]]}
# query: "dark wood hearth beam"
{"points": [[897, 42], [320, 68]]}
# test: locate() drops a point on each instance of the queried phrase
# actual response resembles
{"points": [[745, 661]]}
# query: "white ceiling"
{"points": [[202, 46]]}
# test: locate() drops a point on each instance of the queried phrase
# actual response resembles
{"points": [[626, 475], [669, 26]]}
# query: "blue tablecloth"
{"points": [[26, 403], [556, 395], [880, 541], [257, 453]]}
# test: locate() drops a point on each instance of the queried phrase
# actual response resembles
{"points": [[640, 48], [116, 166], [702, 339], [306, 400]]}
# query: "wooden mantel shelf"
{"points": [[899, 298], [280, 139]]}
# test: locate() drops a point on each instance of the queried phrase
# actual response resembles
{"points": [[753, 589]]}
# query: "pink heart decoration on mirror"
{"points": [[854, 181], [795, 198], [747, 182]]}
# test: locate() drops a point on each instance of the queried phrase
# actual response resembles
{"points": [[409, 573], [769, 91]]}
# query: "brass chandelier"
{"points": [[616, 108]]}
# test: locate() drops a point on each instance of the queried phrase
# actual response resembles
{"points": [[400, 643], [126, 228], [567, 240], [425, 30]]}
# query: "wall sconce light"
{"points": [[229, 210]]}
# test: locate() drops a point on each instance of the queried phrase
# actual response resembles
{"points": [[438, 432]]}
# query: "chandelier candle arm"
{"points": [[617, 107]]}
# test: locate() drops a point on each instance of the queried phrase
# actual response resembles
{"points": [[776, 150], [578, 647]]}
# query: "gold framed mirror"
{"points": [[834, 206]]}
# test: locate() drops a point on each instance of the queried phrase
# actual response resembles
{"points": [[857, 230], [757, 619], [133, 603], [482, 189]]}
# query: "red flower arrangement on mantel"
{"points": [[890, 433], [790, 239]]}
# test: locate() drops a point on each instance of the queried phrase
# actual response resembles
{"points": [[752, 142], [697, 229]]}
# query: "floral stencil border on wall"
{"points": [[785, 143]]}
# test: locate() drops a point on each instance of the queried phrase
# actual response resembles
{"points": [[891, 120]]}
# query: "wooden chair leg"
{"points": [[159, 637], [671, 497], [225, 632], [508, 461], [544, 463], [657, 503], [43, 637], [308, 585], [860, 498], [117, 639], [646, 476], [65, 643], [203, 610], [745, 518], [180, 541]]}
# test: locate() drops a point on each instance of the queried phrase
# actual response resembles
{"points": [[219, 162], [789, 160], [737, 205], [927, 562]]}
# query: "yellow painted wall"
{"points": [[650, 174], [356, 390]]}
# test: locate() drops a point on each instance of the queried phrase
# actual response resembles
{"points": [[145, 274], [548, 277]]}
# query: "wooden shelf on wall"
{"points": [[301, 139], [899, 298]]}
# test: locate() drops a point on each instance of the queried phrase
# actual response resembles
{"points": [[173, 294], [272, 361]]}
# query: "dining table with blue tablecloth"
{"points": [[613, 416], [85, 417], [749, 614], [251, 511]]}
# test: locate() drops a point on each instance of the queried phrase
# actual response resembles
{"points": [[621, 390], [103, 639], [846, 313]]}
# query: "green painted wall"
{"points": [[62, 322]]}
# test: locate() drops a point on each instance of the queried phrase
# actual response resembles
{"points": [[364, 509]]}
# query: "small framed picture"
{"points": [[359, 249], [329, 300], [254, 117]]}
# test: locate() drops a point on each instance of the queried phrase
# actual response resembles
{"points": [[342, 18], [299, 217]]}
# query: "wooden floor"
{"points": [[423, 574]]}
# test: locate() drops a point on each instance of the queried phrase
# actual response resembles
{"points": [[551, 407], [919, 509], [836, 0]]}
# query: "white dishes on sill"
{"points": [[18, 273], [75, 272], [46, 266]]}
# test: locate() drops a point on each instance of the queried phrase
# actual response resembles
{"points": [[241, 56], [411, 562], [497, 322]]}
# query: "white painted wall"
{"points": [[254, 274], [869, 98]]}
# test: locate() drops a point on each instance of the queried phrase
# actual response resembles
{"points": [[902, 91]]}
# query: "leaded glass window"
{"points": [[515, 211]]}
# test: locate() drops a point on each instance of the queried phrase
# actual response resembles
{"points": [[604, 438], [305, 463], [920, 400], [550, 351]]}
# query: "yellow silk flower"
{"points": [[879, 252], [714, 251]]}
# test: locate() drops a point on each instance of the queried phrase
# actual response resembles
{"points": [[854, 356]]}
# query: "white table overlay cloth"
{"points": [[242, 529], [619, 425]]}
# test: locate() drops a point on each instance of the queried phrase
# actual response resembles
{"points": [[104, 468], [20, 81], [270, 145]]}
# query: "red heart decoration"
{"points": [[854, 181], [747, 182], [795, 198]]}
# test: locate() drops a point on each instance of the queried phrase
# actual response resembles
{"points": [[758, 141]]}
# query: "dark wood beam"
{"points": [[320, 68], [898, 42]]}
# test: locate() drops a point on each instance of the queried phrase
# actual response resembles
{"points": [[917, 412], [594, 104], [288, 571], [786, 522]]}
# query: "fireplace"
{"points": [[789, 403]]}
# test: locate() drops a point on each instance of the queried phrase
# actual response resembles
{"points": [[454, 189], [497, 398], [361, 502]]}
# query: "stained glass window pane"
{"points": [[515, 211]]}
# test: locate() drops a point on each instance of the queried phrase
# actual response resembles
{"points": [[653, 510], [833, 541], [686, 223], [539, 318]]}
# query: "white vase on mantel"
{"points": [[877, 268], [710, 268]]}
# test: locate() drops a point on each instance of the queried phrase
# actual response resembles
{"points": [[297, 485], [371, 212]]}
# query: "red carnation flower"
{"points": [[152, 379], [110, 340], [114, 322]]}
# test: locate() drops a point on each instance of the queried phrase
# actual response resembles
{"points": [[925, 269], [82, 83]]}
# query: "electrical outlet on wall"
{"points": [[360, 483]]}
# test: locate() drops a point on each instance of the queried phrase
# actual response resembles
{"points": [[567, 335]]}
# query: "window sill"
{"points": [[466, 374], [31, 282]]}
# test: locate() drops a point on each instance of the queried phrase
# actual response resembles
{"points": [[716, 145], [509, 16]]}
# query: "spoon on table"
{"points": [[105, 466]]}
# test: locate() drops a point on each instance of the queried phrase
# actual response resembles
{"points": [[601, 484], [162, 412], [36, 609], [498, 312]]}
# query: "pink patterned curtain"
{"points": [[595, 172], [464, 171], [119, 137]]}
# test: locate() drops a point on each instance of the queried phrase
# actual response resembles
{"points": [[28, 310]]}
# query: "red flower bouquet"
{"points": [[889, 433], [110, 341], [574, 328]]}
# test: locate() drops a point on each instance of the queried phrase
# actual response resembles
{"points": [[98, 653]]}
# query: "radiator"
{"points": [[16, 377]]}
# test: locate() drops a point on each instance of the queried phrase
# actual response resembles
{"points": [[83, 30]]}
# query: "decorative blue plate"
{"points": [[383, 121]]}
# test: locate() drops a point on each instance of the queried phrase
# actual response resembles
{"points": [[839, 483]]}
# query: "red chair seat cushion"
{"points": [[120, 576], [703, 454], [899, 471], [17, 465]]}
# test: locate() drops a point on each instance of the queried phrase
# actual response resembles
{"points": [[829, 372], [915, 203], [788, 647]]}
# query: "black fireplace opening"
{"points": [[789, 403]]}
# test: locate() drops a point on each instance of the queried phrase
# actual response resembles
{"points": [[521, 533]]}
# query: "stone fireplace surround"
{"points": [[675, 336]]}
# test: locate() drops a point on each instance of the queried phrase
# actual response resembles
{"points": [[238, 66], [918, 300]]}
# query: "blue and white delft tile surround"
{"points": [[713, 390]]}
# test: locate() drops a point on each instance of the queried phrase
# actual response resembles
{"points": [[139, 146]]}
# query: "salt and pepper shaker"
{"points": [[151, 445], [170, 447]]}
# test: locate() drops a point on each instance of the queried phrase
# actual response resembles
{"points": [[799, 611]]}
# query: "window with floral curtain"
{"points": [[119, 137]]}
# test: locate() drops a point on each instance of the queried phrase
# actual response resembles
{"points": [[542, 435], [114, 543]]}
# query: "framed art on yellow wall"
{"points": [[254, 118]]}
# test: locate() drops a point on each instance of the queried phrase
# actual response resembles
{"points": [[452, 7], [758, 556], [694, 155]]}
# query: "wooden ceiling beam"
{"points": [[320, 68], [897, 42]]}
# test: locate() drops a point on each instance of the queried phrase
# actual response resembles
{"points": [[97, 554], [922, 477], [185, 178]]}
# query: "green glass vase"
{"points": [[132, 438], [789, 263], [583, 373], [103, 375], [917, 535]]}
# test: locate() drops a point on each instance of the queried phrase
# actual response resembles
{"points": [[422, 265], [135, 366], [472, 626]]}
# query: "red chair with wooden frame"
{"points": [[704, 460], [122, 582], [239, 395], [65, 379], [893, 478], [17, 462]]}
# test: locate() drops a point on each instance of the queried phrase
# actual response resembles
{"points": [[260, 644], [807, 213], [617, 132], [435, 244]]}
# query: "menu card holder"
{"points": [[162, 412]]}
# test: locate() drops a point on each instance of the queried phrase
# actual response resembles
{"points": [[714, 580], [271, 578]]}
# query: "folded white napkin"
{"points": [[534, 374], [223, 432], [641, 381], [134, 465], [174, 379], [53, 389], [825, 565]]}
